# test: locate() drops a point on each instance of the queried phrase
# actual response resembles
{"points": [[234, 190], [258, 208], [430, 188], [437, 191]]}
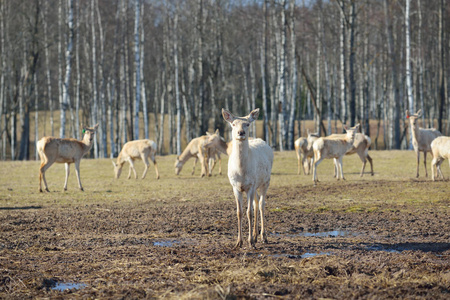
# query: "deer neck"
{"points": [[415, 131], [222, 146], [185, 155], [240, 152], [87, 143], [120, 159]]}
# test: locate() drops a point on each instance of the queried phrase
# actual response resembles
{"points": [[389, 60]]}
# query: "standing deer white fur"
{"points": [[361, 146], [421, 139], [196, 148], [67, 151], [138, 149], [333, 147], [440, 148], [305, 153], [249, 170]]}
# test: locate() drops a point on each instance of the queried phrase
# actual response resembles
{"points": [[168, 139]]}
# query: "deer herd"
{"points": [[250, 160]]}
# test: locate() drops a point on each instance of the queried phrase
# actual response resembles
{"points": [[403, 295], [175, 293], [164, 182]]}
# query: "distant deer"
{"points": [[138, 149], [361, 147], [440, 148], [249, 170], [67, 150], [421, 139], [305, 153], [329, 147], [207, 156]]}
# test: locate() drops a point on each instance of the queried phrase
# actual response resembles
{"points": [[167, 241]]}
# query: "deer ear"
{"points": [[407, 114], [253, 116], [227, 116], [208, 134], [217, 132]]}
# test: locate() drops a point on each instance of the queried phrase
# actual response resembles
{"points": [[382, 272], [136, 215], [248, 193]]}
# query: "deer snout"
{"points": [[241, 133]]}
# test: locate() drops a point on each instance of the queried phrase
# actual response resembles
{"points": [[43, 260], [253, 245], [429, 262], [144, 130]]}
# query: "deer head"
{"points": [[240, 125]]}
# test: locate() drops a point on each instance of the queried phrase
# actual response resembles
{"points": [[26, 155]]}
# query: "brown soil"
{"points": [[171, 248]]}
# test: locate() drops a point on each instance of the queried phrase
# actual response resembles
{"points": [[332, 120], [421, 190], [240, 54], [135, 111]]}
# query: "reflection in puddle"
{"points": [[165, 243], [333, 233], [304, 255], [328, 233], [62, 286], [381, 248]]}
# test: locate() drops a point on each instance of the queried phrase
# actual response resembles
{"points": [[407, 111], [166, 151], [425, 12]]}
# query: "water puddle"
{"points": [[332, 233], [62, 286], [165, 243], [383, 248], [304, 255]]}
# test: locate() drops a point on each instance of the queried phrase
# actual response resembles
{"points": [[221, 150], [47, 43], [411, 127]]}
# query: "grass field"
{"points": [[381, 236]]}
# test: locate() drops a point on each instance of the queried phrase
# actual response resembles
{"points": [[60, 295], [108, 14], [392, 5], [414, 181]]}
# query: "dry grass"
{"points": [[105, 237]]}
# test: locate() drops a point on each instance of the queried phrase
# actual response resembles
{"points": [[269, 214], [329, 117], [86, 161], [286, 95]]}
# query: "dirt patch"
{"points": [[322, 244]]}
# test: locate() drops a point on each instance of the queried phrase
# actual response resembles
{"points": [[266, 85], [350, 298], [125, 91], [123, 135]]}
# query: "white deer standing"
{"points": [[305, 153], [67, 151], [421, 139], [249, 170], [138, 149], [440, 148], [333, 147]]}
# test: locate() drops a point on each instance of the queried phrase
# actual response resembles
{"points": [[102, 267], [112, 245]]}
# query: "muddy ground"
{"points": [[323, 242]]}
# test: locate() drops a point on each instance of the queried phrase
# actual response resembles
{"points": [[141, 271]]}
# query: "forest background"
{"points": [[165, 69]]}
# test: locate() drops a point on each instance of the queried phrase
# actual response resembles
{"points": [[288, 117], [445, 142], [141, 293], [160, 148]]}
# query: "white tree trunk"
{"points": [[137, 67], [66, 83], [177, 90]]}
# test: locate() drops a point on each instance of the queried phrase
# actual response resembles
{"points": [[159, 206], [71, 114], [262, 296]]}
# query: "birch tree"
{"points": [[68, 64], [137, 65]]}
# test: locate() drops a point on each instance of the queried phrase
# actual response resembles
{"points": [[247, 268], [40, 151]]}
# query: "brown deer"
{"points": [[64, 150], [138, 149]]}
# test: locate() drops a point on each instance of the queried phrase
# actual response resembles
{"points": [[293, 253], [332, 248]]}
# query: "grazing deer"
{"points": [[440, 148], [421, 139], [249, 170], [138, 149], [361, 147], [305, 153], [329, 147], [68, 150], [207, 156]]}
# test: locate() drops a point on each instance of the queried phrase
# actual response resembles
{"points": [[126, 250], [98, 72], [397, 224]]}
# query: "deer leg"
{"points": [[316, 164], [203, 163], [239, 199], [67, 166], [156, 166], [131, 168], [341, 170], [336, 169], [363, 159], [42, 169], [298, 161], [425, 162], [371, 164], [250, 199], [220, 165], [255, 215], [146, 163], [262, 203], [438, 167], [433, 165], [195, 162], [77, 171], [418, 162]]}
